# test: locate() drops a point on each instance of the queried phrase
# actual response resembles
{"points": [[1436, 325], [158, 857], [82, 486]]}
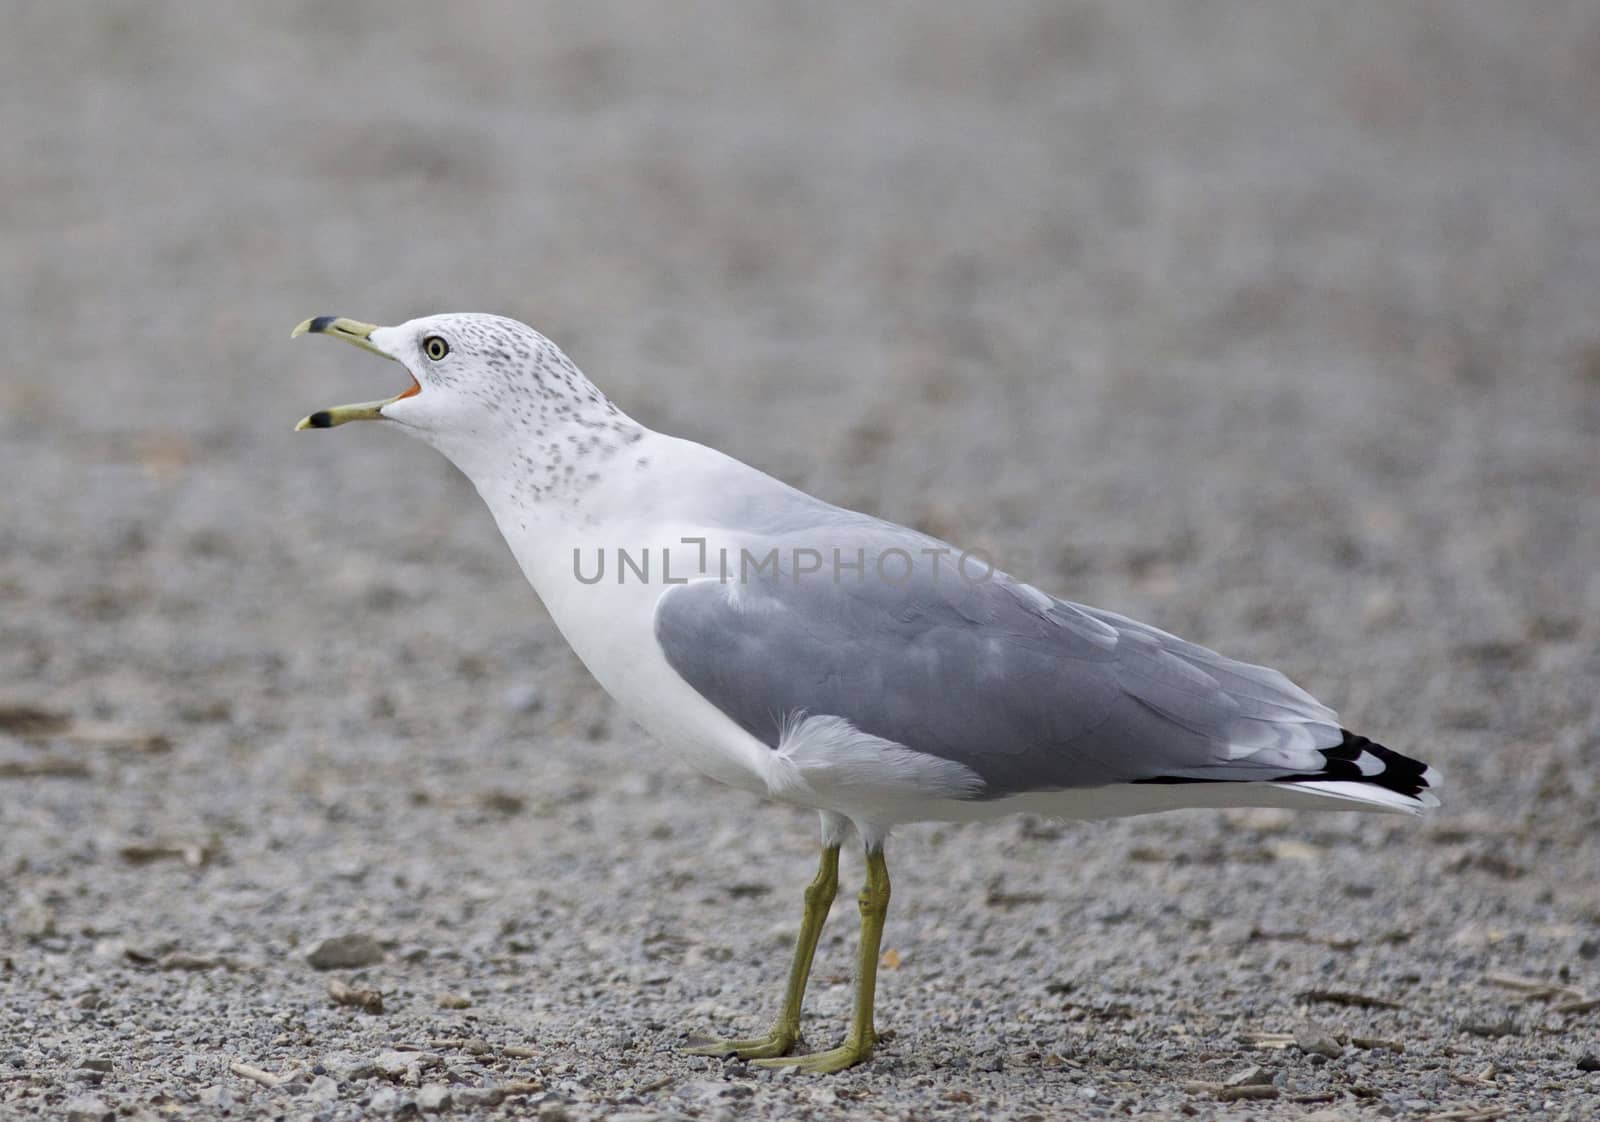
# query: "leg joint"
{"points": [[874, 897], [820, 892]]}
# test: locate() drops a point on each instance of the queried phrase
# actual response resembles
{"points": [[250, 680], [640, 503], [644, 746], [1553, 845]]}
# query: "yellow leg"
{"points": [[786, 1029], [858, 1043]]}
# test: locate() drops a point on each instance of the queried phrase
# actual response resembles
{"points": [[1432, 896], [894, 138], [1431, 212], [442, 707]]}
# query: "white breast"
{"points": [[610, 622]]}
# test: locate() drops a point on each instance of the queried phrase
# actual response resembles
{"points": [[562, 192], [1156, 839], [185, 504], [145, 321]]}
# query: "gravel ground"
{"points": [[1275, 325]]}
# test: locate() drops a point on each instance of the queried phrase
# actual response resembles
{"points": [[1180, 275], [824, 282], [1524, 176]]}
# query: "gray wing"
{"points": [[1030, 692]]}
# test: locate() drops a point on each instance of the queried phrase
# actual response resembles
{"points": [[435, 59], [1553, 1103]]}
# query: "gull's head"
{"points": [[473, 378]]}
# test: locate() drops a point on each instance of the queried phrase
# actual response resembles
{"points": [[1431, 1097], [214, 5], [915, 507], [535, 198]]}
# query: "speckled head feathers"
{"points": [[497, 396], [495, 361]]}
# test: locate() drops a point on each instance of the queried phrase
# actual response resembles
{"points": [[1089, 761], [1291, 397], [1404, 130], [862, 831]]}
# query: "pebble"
{"points": [[434, 1098], [89, 1109], [523, 698], [405, 1067], [217, 1096], [352, 869], [1253, 1076], [33, 919], [1314, 1040], [323, 1088], [706, 1090], [345, 952], [385, 1100], [346, 1067], [1589, 1062]]}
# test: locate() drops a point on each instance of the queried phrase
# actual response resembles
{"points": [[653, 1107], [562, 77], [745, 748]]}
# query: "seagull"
{"points": [[835, 661]]}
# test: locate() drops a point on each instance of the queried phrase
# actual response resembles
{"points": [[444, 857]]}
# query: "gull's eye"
{"points": [[435, 347]]}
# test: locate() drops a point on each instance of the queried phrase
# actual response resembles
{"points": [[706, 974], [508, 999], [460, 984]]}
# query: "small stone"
{"points": [[524, 699], [385, 1100], [345, 952], [552, 1111], [708, 1090], [405, 1067], [33, 918], [350, 869], [1328, 1114], [346, 1067], [502, 802], [1314, 1040], [1251, 1092], [217, 1096], [355, 997], [87, 1108], [1589, 1062], [454, 1001], [1253, 1076], [323, 1088], [1505, 1026], [1380, 609], [434, 1098], [471, 1097]]}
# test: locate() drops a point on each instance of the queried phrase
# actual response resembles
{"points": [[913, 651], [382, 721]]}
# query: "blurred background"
{"points": [[1274, 325]]}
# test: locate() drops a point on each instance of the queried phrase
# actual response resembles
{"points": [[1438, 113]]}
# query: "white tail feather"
{"points": [[1368, 796]]}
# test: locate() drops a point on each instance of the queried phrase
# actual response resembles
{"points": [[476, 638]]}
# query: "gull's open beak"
{"points": [[360, 335]]}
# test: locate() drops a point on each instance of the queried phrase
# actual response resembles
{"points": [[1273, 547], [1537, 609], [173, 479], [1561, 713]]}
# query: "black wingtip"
{"points": [[1401, 774], [318, 326], [1393, 772], [322, 419]]}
